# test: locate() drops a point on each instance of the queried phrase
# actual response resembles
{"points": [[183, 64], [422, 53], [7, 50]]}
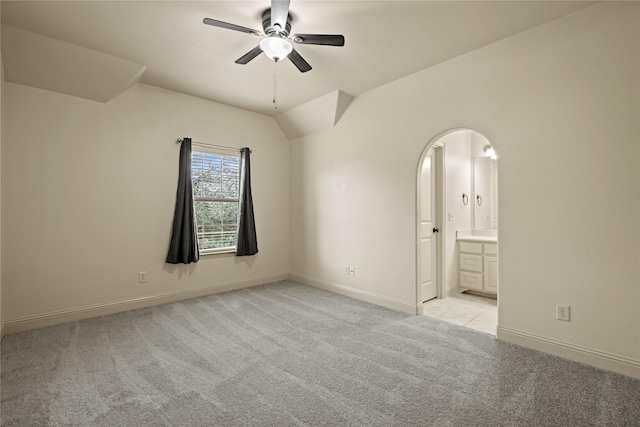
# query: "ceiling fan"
{"points": [[275, 43]]}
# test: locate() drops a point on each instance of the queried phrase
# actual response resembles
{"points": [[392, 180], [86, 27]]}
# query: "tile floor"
{"points": [[472, 311]]}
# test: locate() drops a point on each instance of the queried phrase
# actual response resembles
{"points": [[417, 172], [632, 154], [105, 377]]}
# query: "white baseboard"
{"points": [[358, 294], [597, 358], [38, 321]]}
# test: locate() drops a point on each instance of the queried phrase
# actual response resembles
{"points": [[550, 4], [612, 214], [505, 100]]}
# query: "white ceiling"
{"points": [[385, 40]]}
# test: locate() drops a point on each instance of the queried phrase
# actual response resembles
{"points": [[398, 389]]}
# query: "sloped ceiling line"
{"points": [[31, 59], [314, 116]]}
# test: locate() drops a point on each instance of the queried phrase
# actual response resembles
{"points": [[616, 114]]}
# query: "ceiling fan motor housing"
{"points": [[269, 29]]}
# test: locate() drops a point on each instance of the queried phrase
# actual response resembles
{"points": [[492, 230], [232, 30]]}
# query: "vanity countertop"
{"points": [[486, 236], [486, 239]]}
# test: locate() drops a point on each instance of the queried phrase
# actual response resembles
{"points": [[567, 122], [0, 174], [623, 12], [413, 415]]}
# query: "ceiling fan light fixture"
{"points": [[276, 47]]}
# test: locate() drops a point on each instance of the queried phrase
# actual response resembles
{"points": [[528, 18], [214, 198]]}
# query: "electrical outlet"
{"points": [[347, 270], [352, 270], [142, 277], [563, 312]]}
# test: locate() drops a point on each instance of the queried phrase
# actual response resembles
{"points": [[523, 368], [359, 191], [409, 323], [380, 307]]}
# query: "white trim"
{"points": [[599, 359], [217, 251], [53, 318], [441, 208], [371, 297]]}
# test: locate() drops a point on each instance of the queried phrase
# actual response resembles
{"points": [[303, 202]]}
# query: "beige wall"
{"points": [[560, 104], [1, 242], [89, 193]]}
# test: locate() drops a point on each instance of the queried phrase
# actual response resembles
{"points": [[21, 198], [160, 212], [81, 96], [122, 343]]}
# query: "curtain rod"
{"points": [[220, 147]]}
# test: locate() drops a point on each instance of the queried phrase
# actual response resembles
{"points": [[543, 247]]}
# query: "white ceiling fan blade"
{"points": [[279, 14]]}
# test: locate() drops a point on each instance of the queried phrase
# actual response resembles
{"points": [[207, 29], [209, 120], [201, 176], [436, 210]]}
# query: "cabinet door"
{"points": [[491, 274]]}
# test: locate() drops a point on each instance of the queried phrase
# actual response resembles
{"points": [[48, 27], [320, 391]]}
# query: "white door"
{"points": [[428, 229]]}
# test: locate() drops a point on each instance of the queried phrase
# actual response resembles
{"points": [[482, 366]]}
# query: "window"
{"points": [[216, 183]]}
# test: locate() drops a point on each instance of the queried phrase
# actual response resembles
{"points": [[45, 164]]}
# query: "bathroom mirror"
{"points": [[485, 193]]}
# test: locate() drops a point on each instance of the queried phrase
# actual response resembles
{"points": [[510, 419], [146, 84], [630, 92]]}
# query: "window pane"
{"points": [[215, 176], [229, 187], [217, 224], [230, 165]]}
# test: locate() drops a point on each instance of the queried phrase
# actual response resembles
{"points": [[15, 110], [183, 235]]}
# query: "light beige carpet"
{"points": [[286, 354]]}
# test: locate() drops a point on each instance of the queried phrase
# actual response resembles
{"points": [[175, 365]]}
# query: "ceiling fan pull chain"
{"points": [[275, 85]]}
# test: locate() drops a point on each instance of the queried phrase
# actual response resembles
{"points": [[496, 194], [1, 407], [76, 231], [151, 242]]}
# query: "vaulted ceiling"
{"points": [[96, 49]]}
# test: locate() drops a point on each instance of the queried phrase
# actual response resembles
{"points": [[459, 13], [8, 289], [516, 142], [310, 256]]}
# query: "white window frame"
{"points": [[222, 153]]}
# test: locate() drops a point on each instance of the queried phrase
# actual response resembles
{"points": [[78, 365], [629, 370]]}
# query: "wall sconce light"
{"points": [[488, 151]]}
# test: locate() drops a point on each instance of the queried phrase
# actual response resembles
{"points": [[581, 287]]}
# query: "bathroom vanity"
{"points": [[478, 260]]}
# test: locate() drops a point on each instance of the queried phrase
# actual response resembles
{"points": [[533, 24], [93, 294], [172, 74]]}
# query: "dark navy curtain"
{"points": [[247, 242], [183, 248]]}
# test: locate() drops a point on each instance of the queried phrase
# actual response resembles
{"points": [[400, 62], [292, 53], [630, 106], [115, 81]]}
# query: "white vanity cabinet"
{"points": [[478, 263]]}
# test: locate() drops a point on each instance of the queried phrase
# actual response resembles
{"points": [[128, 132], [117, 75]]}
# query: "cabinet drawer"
{"points": [[471, 280], [471, 262], [490, 249], [471, 248]]}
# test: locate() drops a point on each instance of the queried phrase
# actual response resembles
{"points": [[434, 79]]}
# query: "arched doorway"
{"points": [[457, 220]]}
